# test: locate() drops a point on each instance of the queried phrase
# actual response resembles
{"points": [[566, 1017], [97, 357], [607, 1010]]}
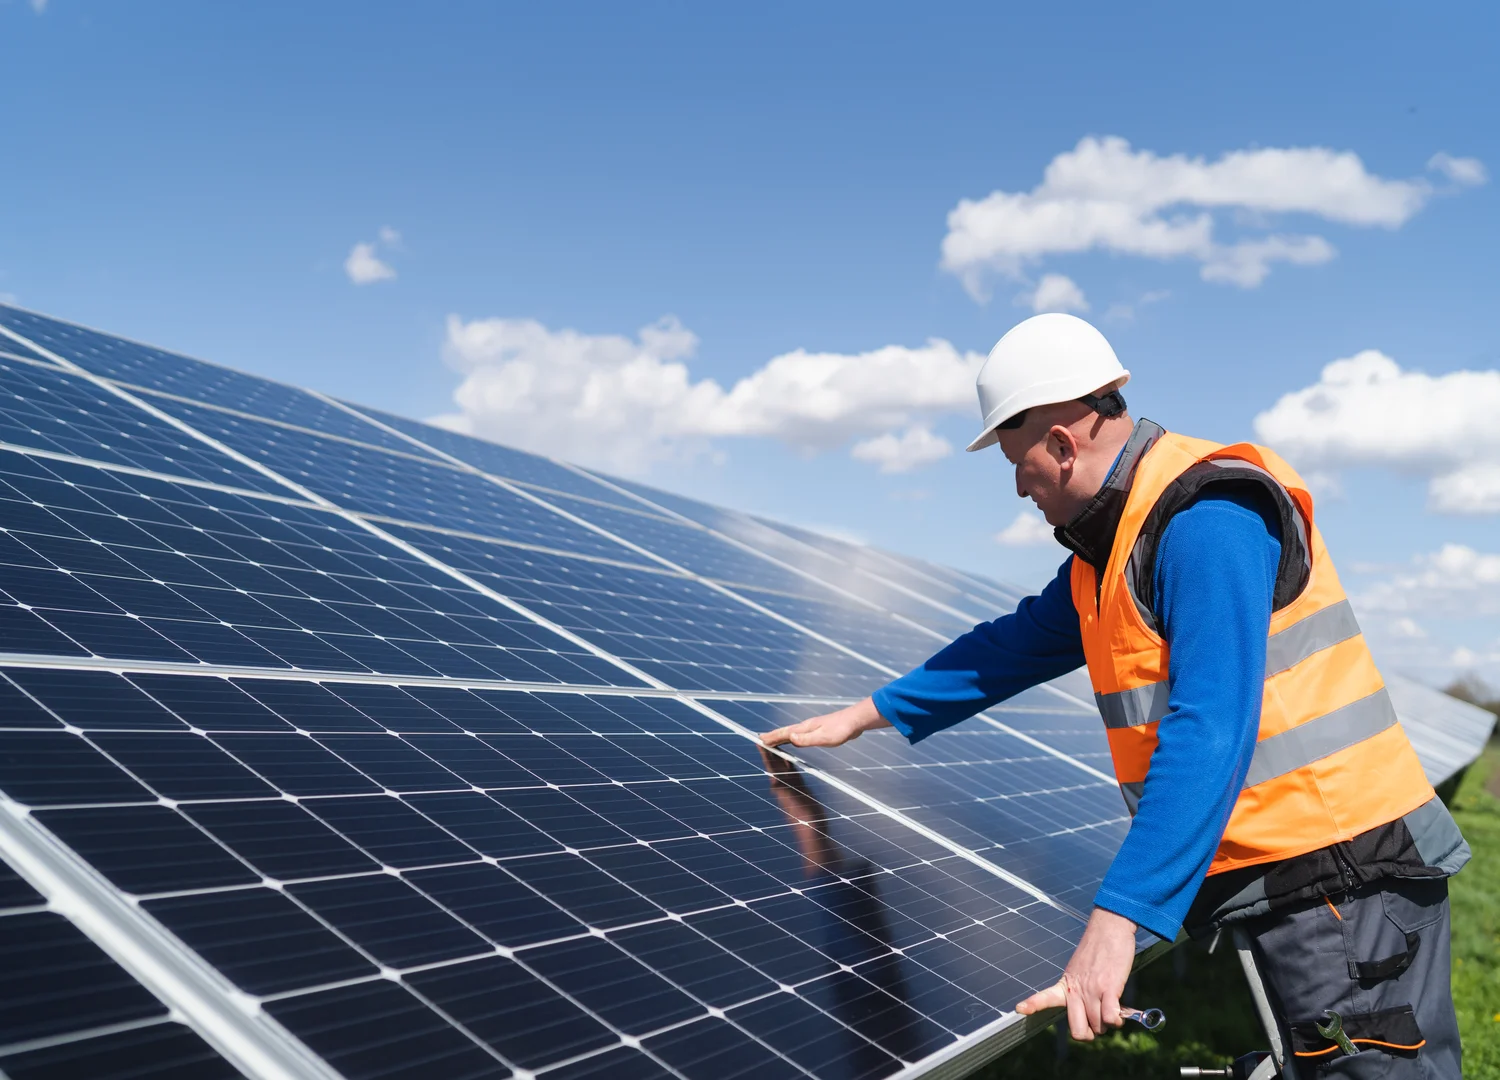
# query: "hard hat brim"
{"points": [[987, 437], [991, 433]]}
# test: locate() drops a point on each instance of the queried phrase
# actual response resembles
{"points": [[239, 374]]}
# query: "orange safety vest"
{"points": [[1331, 760]]}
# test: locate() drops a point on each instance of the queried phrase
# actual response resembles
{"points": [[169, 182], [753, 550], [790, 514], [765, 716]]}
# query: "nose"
{"points": [[1020, 487]]}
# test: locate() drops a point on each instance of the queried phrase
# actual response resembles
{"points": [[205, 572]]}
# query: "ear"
{"points": [[1062, 444]]}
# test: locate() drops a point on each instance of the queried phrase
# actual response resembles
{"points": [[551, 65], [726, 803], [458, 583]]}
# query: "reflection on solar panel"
{"points": [[332, 744]]}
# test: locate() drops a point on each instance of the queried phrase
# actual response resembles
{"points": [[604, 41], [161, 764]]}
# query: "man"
{"points": [[1269, 782]]}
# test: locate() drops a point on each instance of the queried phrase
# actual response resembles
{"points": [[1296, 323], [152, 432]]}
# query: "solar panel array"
{"points": [[335, 744]]}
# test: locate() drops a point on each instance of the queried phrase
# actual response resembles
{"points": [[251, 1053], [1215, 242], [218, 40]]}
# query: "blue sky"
{"points": [[780, 179]]}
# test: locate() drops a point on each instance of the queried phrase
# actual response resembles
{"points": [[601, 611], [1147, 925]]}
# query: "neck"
{"points": [[1095, 460], [1090, 533]]}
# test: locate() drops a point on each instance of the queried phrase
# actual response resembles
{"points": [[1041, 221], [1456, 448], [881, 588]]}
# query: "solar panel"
{"points": [[1446, 733], [335, 744]]}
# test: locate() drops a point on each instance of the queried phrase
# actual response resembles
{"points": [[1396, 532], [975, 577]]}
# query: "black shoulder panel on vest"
{"points": [[1292, 572]]}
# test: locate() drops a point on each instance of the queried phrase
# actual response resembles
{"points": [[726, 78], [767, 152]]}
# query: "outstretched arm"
{"points": [[830, 729], [994, 661]]}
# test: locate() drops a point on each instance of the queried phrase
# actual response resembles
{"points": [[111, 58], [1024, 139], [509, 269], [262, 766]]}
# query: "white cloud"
{"points": [[1365, 410], [622, 403], [365, 267], [1404, 627], [1463, 657], [1464, 171], [1055, 292], [1104, 195], [1028, 530], [1247, 263], [912, 449], [1455, 580]]}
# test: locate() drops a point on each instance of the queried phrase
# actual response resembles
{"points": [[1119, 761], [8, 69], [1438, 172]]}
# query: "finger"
{"points": [[813, 732], [1078, 1020], [774, 738], [1054, 997], [1092, 1010], [1109, 1010]]}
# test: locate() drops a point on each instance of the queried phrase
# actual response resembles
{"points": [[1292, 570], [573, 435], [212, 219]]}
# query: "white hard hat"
{"points": [[1044, 360]]}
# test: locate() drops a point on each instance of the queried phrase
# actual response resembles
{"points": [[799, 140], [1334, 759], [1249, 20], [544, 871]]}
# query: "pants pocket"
{"points": [[1388, 1042], [1413, 904], [1383, 929]]}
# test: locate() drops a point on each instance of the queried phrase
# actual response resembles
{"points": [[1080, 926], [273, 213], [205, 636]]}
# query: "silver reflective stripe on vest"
{"points": [[1318, 631], [1132, 792], [1316, 739], [1132, 708]]}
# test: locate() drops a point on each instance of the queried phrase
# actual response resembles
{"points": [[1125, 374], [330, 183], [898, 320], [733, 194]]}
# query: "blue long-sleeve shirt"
{"points": [[1214, 579]]}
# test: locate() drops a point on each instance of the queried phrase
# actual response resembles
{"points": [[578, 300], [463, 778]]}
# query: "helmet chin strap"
{"points": [[1107, 404]]}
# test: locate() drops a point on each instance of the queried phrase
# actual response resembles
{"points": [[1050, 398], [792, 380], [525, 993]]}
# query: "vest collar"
{"points": [[1091, 533]]}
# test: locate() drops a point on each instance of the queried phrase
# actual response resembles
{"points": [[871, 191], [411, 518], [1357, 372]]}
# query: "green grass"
{"points": [[1209, 1015], [1475, 897]]}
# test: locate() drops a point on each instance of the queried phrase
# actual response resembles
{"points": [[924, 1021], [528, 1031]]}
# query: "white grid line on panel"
{"points": [[283, 424], [168, 667], [521, 545], [47, 1041], [33, 361], [151, 474], [253, 1041]]}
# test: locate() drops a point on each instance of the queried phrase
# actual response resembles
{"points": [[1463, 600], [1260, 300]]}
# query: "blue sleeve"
{"points": [[995, 660], [1215, 577]]}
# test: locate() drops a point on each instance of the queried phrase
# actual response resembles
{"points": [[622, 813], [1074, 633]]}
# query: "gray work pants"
{"points": [[1367, 954]]}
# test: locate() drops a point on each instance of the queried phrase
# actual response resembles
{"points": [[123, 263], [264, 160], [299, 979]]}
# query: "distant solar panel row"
{"points": [[434, 749]]}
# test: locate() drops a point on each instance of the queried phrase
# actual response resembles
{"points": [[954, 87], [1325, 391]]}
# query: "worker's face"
{"points": [[1043, 456]]}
